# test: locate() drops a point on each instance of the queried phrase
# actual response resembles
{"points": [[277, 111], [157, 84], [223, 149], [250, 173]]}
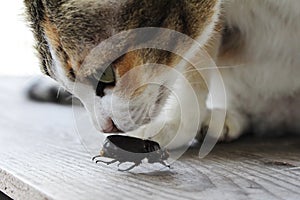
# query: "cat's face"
{"points": [[67, 30]]}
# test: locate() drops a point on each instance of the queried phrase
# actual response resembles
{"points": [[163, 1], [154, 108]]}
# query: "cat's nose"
{"points": [[111, 127]]}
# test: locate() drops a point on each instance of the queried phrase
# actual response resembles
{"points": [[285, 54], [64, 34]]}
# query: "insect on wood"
{"points": [[124, 149]]}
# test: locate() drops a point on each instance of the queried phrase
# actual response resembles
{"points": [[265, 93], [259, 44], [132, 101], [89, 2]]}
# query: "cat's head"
{"points": [[67, 31]]}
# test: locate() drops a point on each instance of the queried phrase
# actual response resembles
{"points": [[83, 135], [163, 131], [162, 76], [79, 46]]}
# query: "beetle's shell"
{"points": [[132, 144], [130, 149]]}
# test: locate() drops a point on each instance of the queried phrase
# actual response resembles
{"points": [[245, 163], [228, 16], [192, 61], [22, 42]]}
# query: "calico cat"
{"points": [[257, 41]]}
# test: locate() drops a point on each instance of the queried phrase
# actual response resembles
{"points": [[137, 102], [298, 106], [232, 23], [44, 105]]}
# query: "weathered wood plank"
{"points": [[42, 158]]}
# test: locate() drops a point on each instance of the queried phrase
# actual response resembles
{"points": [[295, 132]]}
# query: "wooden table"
{"points": [[42, 157]]}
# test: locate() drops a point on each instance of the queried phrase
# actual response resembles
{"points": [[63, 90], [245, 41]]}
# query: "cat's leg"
{"points": [[174, 129], [181, 117], [228, 109]]}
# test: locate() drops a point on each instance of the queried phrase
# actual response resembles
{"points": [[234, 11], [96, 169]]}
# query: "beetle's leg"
{"points": [[165, 164], [128, 169], [99, 156], [108, 163], [120, 163]]}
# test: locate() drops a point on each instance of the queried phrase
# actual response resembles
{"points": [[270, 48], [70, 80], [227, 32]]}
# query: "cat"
{"points": [[255, 44]]}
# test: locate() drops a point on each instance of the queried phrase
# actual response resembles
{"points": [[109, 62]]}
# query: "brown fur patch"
{"points": [[198, 14]]}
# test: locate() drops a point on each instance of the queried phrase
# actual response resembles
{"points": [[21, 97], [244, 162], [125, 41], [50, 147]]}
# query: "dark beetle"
{"points": [[123, 149]]}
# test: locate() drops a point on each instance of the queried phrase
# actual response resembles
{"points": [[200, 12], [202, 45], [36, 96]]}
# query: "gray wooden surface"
{"points": [[42, 157]]}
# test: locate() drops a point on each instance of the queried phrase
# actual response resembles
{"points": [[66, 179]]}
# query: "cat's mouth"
{"points": [[114, 115], [111, 127]]}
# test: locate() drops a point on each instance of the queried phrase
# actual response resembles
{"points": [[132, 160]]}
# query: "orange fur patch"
{"points": [[128, 62], [53, 37], [52, 33]]}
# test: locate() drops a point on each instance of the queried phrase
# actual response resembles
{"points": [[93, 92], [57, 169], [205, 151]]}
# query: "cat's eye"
{"points": [[105, 79], [108, 76]]}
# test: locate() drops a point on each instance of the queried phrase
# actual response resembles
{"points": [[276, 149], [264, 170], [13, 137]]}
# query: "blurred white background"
{"points": [[16, 51]]}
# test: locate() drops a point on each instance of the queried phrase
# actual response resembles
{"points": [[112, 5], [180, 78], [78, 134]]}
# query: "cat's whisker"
{"points": [[58, 91], [214, 68], [69, 97]]}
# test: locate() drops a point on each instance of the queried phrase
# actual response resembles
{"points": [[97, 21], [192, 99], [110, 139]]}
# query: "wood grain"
{"points": [[42, 157]]}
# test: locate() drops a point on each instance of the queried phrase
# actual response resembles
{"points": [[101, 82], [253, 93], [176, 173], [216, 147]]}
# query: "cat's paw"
{"points": [[46, 90], [233, 128]]}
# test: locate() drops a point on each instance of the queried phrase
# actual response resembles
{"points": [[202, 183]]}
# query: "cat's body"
{"points": [[266, 87], [259, 46]]}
